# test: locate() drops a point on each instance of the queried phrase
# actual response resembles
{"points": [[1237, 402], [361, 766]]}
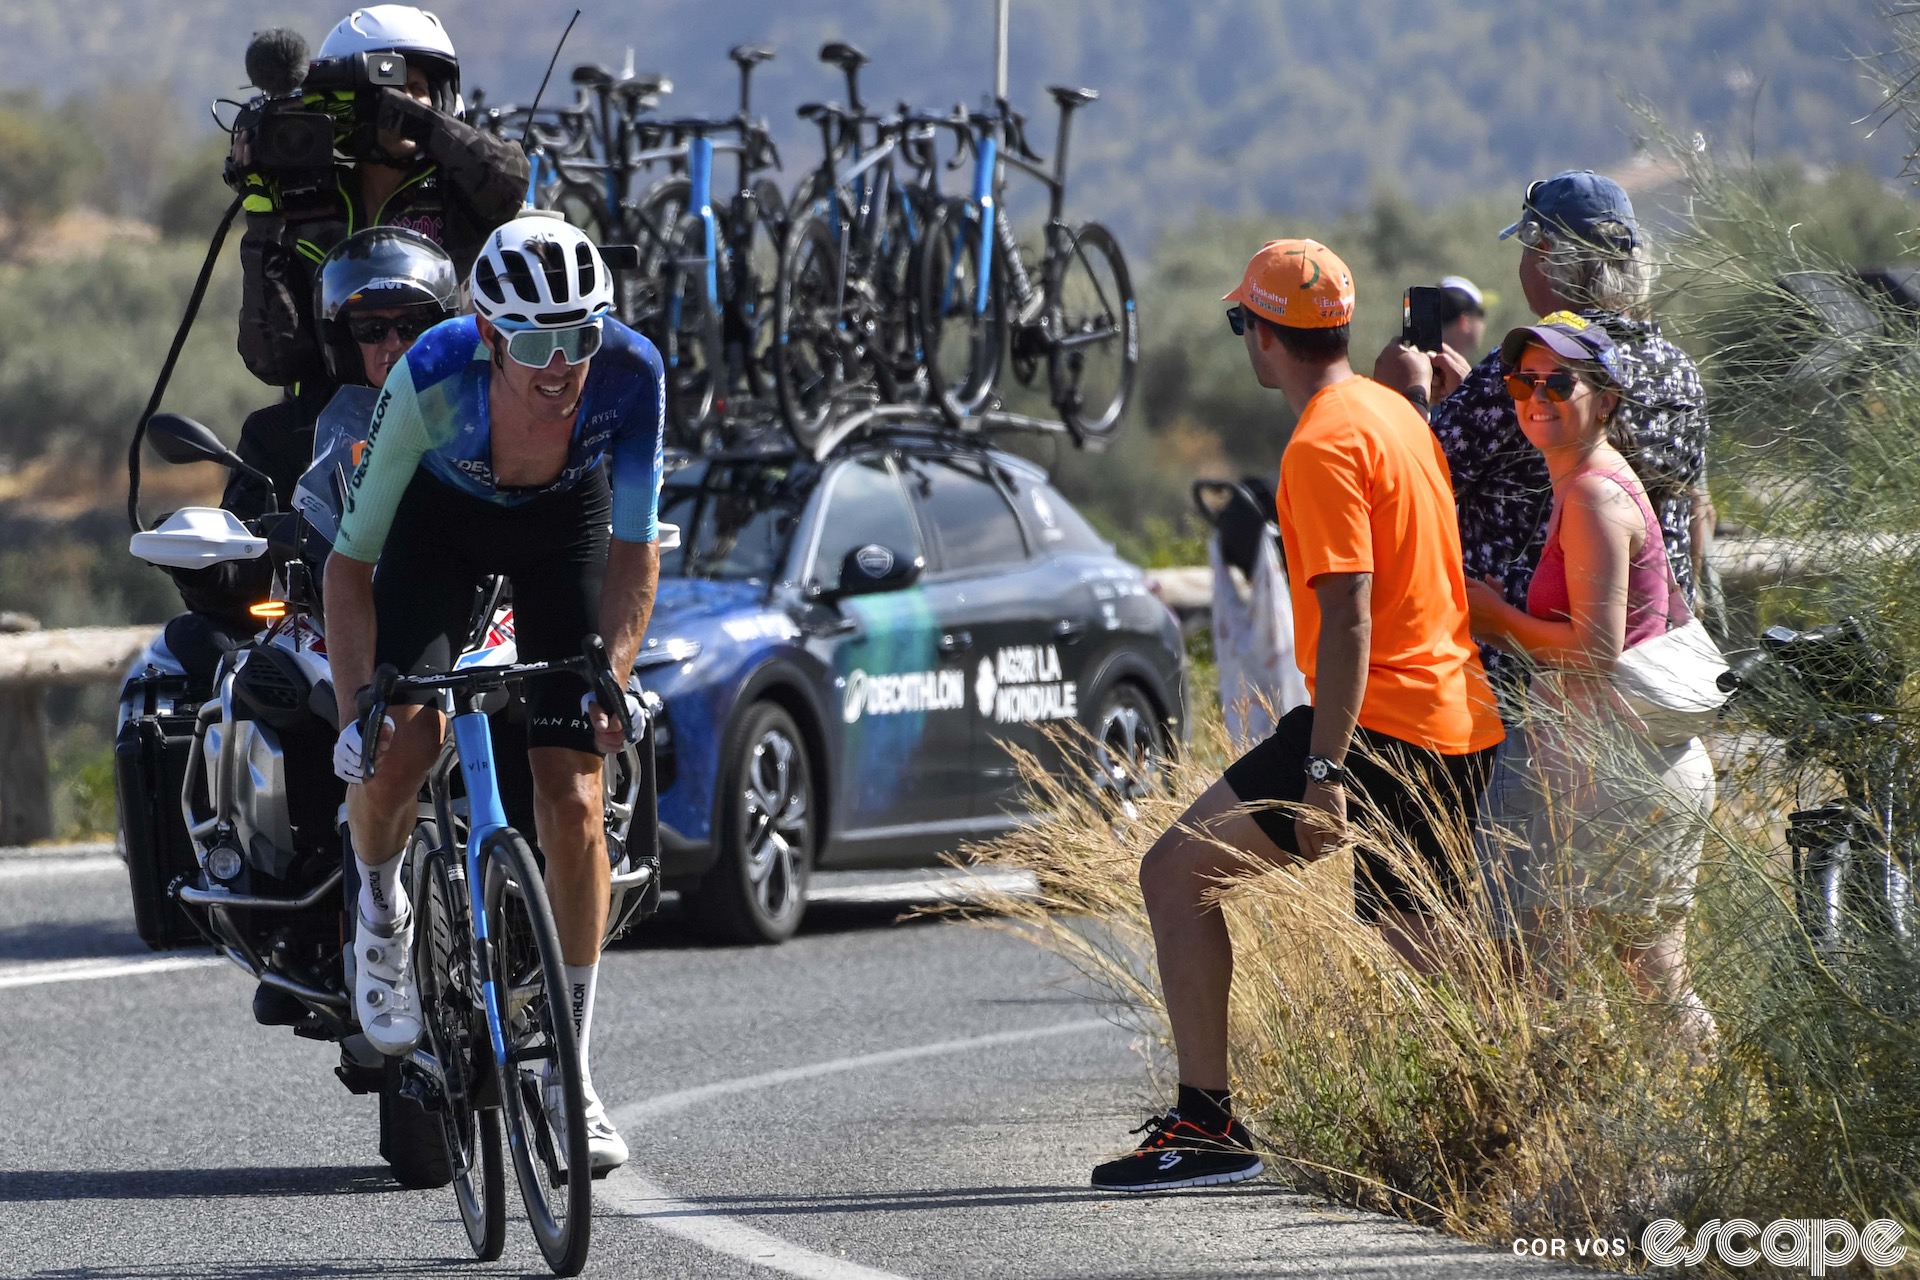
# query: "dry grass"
{"points": [[1476, 1101]]}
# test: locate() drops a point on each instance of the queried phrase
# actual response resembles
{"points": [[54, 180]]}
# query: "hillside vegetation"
{"points": [[1241, 106]]}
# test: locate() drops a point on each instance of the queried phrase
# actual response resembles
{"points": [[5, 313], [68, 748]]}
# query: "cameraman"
{"points": [[402, 157], [379, 290]]}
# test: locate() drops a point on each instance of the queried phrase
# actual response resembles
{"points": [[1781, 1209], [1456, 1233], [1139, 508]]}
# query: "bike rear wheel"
{"points": [[449, 1001], [961, 332], [1094, 338], [812, 365], [532, 987]]}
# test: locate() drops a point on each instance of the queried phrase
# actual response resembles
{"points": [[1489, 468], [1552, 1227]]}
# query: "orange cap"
{"points": [[1298, 283]]}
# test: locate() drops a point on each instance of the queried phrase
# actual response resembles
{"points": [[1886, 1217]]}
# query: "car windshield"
{"points": [[736, 516]]}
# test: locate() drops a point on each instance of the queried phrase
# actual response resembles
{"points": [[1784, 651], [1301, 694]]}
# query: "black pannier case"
{"points": [[150, 765]]}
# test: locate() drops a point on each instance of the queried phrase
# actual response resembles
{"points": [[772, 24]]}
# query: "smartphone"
{"points": [[1420, 312]]}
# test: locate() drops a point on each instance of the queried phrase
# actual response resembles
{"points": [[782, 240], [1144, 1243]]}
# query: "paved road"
{"points": [[872, 1100]]}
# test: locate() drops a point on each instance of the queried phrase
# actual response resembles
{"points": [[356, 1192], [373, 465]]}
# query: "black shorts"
{"points": [[1402, 780], [553, 549]]}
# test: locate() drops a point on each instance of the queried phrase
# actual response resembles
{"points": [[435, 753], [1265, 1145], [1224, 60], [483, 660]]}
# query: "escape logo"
{"points": [[1022, 684], [1814, 1243], [888, 695]]}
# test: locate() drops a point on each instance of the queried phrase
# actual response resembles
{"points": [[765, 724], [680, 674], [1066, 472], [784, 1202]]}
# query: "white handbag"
{"points": [[1670, 683]]}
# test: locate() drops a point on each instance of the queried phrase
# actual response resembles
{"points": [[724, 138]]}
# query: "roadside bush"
{"points": [[1480, 1104]]}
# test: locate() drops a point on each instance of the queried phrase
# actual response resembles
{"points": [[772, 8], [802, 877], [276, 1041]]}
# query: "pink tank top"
{"points": [[1649, 581]]}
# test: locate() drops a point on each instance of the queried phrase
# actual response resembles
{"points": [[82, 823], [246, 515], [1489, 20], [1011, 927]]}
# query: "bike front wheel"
{"points": [[1094, 340], [449, 995], [542, 1096]]}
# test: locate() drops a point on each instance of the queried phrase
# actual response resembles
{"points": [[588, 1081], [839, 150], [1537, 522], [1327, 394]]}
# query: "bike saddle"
{"points": [[751, 55], [592, 75], [1069, 98], [842, 55], [647, 85], [819, 110]]}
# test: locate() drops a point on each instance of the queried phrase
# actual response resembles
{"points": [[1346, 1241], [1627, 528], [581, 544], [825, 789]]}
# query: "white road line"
{"points": [[43, 973], [661, 1209], [965, 888], [37, 867]]}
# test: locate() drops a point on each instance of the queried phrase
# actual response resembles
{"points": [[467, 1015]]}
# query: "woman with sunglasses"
{"points": [[1617, 823], [524, 441]]}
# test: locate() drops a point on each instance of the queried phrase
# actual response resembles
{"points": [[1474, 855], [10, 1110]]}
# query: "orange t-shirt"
{"points": [[1364, 488]]}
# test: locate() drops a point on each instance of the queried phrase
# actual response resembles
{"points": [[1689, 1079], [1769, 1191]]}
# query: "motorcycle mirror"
{"points": [[177, 438]]}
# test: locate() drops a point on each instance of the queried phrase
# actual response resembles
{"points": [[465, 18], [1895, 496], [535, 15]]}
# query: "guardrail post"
{"points": [[26, 776]]}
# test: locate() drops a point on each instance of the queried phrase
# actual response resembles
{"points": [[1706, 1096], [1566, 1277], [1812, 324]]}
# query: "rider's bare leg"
{"points": [[569, 816], [381, 812]]}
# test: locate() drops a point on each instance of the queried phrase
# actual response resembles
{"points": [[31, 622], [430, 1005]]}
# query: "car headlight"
{"points": [[666, 653]]}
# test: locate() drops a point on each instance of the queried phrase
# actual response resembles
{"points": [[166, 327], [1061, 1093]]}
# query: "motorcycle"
{"points": [[234, 822]]}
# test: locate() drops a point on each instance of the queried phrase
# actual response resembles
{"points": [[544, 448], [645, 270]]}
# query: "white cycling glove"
{"points": [[636, 718], [349, 752]]}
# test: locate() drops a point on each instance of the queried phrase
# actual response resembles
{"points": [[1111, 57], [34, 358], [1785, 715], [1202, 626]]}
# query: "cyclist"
{"points": [[409, 160], [487, 455]]}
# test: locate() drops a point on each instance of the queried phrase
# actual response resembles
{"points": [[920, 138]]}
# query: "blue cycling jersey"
{"points": [[433, 413]]}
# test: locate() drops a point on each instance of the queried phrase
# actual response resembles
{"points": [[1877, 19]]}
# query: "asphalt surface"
{"points": [[874, 1099]]}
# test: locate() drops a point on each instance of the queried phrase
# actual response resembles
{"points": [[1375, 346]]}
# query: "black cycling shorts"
{"points": [[1403, 781], [553, 548]]}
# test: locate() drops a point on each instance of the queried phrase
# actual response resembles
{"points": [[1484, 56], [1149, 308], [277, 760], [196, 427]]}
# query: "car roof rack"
{"points": [[879, 418]]}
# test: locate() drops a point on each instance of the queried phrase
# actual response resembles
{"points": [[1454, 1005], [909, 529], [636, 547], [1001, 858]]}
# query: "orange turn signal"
{"points": [[269, 609]]}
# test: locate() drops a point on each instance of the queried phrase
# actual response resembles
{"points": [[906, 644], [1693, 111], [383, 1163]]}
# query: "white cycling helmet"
{"points": [[541, 273], [414, 34]]}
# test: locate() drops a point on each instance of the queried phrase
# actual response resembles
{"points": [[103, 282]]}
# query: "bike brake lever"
{"points": [[378, 694], [607, 691]]}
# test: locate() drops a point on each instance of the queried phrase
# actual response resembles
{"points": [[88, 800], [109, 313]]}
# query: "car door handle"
{"points": [[1069, 629], [953, 642]]}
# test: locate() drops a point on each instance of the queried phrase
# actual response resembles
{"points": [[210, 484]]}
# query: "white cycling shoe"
{"points": [[606, 1149], [384, 994]]}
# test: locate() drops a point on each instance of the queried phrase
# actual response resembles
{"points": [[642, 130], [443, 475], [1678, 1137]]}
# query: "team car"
{"points": [[847, 649]]}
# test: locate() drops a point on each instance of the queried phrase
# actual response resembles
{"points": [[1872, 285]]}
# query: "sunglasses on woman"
{"points": [[372, 330], [534, 348], [1557, 386]]}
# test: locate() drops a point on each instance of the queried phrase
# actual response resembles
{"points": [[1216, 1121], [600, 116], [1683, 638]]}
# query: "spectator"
{"points": [[1582, 251], [1619, 822], [1463, 322], [1400, 711]]}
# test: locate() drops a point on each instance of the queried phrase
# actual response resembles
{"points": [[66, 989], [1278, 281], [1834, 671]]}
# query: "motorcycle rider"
{"points": [[404, 158], [487, 455], [385, 285]]}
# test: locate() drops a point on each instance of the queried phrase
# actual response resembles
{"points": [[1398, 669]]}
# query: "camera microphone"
{"points": [[277, 61]]}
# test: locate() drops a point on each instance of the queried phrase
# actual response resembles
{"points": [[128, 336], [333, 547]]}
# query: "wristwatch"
{"points": [[1324, 771]]}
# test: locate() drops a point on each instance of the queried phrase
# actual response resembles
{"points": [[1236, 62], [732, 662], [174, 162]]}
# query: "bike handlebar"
{"points": [[593, 665]]}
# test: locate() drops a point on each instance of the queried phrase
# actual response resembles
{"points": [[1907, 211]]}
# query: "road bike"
{"points": [[493, 992], [1824, 696], [844, 336], [977, 302]]}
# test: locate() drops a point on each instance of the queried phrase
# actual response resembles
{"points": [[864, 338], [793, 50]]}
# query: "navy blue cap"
{"points": [[1577, 202], [1569, 336]]}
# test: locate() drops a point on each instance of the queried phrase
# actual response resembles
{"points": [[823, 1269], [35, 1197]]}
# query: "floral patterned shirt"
{"points": [[1500, 483]]}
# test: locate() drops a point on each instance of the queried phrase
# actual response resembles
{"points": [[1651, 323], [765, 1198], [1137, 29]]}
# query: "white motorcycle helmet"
{"points": [[540, 272], [414, 34]]}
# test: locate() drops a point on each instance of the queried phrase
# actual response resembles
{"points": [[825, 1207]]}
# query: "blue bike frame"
{"points": [[485, 815]]}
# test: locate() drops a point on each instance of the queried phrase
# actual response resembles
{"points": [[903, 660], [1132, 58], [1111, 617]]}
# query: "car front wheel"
{"points": [[768, 828], [1129, 748]]}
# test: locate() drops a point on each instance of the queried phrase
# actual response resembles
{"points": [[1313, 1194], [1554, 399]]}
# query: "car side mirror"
{"points": [[872, 569], [177, 438]]}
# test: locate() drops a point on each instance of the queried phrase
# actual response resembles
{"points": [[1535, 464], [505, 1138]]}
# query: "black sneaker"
{"points": [[1179, 1153]]}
